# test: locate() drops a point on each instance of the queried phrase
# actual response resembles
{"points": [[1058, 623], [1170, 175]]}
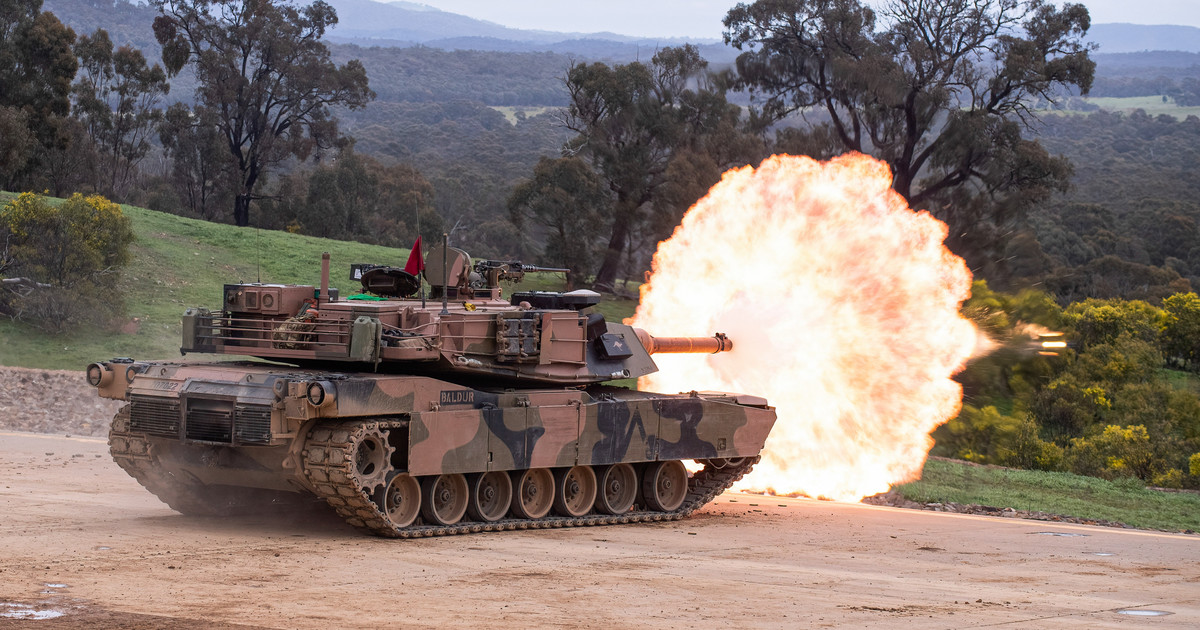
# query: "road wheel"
{"points": [[574, 491], [491, 494], [533, 493], [664, 485], [402, 500], [444, 499], [617, 489]]}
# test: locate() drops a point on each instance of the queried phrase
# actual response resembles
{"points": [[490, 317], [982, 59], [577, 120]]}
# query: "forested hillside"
{"points": [[1128, 226]]}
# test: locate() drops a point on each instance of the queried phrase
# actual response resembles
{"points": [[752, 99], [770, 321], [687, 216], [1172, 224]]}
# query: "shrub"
{"points": [[1180, 332], [1116, 452], [984, 435], [63, 260], [1097, 322]]}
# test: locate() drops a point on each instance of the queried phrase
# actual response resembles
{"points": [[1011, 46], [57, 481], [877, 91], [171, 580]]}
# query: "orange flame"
{"points": [[843, 307]]}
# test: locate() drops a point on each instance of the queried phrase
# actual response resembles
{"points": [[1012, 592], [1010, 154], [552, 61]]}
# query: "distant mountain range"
{"points": [[403, 24], [422, 24], [1129, 38], [400, 23]]}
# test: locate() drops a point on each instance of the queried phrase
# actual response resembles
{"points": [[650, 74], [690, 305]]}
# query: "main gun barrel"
{"points": [[693, 345]]}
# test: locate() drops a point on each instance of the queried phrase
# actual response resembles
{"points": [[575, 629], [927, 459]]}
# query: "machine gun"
{"points": [[493, 271]]}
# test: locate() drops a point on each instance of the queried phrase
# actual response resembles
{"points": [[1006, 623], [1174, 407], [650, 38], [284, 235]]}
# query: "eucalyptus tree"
{"points": [[265, 74], [942, 90], [638, 124], [36, 69], [116, 97]]}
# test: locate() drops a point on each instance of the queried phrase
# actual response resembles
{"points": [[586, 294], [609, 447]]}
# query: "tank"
{"points": [[420, 415]]}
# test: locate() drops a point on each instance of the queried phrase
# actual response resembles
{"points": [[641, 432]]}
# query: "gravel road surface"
{"points": [[85, 546]]}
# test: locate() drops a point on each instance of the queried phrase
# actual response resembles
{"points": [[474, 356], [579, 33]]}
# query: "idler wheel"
{"points": [[533, 493], [491, 494], [617, 489], [444, 498], [574, 491], [372, 457], [402, 500], [664, 485]]}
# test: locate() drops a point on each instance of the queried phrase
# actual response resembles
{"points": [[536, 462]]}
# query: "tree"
{"points": [[116, 97], [264, 72], [356, 198], [16, 143], [632, 120], [568, 201], [63, 260], [36, 69], [201, 168], [942, 93]]}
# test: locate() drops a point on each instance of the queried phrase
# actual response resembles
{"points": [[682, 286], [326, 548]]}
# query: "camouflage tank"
{"points": [[461, 412]]}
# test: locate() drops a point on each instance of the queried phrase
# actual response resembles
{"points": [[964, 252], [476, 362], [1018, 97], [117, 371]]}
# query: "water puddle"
{"points": [[1103, 553], [26, 611], [1066, 534], [1142, 612]]}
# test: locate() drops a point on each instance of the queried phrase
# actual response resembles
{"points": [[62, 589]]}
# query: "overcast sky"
{"points": [[702, 18]]}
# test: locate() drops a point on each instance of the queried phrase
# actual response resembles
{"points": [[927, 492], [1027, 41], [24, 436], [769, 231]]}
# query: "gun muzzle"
{"points": [[680, 345]]}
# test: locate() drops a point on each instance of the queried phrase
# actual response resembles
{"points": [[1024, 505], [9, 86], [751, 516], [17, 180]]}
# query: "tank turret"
{"points": [[426, 405], [464, 329]]}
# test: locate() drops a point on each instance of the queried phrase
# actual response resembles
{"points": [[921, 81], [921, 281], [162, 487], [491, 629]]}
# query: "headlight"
{"points": [[98, 375], [320, 393]]}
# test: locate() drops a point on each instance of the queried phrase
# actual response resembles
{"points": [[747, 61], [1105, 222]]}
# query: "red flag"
{"points": [[415, 263]]}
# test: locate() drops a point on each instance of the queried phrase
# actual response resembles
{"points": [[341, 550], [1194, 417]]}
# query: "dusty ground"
{"points": [[82, 540]]}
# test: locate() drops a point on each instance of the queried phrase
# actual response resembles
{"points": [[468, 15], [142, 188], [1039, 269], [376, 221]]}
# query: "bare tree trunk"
{"points": [[606, 276], [241, 210]]}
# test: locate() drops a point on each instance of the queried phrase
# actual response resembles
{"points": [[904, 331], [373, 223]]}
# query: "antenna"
{"points": [[445, 273], [421, 268]]}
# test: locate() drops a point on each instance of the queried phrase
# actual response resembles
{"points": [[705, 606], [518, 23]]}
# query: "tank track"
{"points": [[328, 458]]}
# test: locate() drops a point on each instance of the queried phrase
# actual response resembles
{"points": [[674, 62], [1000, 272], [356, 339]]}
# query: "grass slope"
{"points": [[1125, 501], [1152, 105], [179, 263]]}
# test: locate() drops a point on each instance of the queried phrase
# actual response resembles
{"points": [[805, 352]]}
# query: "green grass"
{"points": [[1152, 105], [179, 263], [1125, 501]]}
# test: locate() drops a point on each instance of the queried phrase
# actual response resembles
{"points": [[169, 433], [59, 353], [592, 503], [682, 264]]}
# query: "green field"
{"points": [[179, 263], [1152, 105], [1125, 501]]}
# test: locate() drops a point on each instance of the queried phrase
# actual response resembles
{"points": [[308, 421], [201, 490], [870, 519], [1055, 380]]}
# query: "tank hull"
{"points": [[406, 455]]}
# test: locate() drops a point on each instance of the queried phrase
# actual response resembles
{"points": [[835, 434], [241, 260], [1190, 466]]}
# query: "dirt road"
{"points": [[82, 539]]}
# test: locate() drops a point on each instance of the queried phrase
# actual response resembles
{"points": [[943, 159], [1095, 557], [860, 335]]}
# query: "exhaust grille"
{"points": [[253, 424], [209, 420], [156, 416]]}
